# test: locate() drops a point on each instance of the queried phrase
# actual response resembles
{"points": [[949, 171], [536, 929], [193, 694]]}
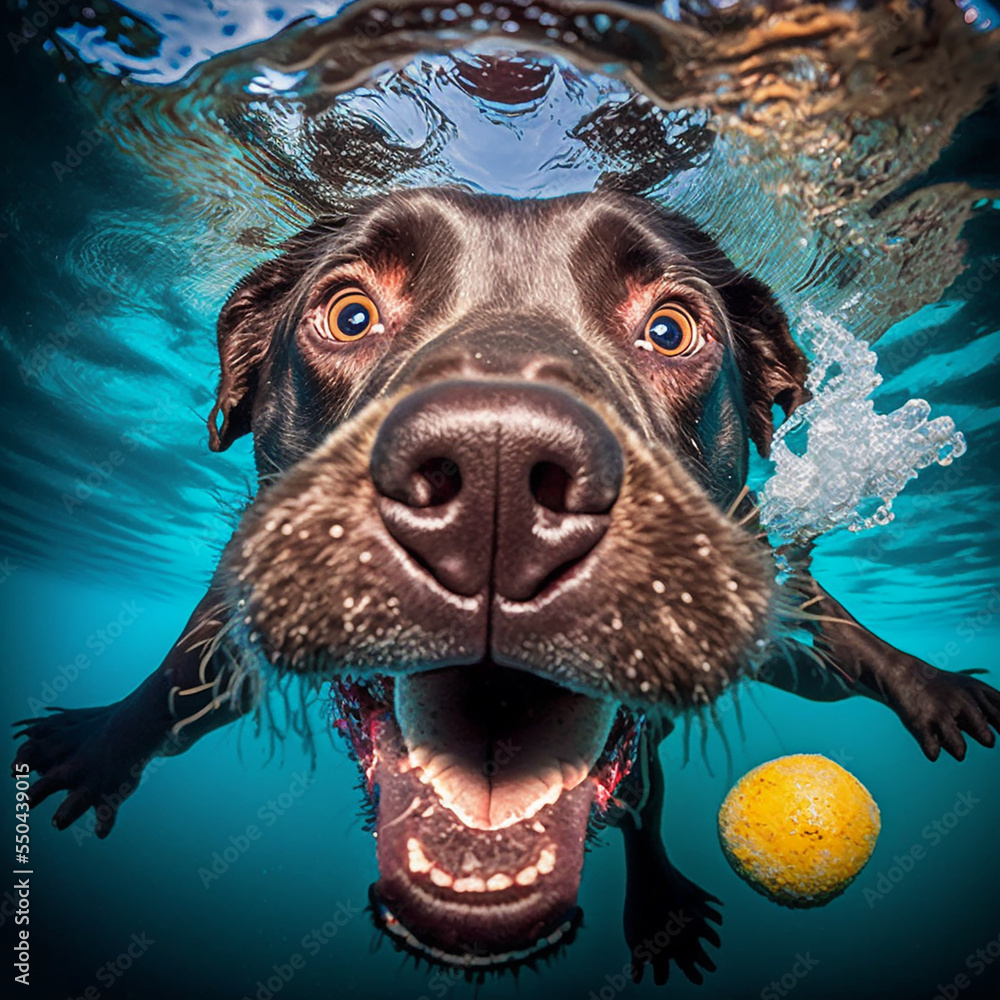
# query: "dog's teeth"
{"points": [[471, 883], [482, 803], [441, 878], [526, 876], [420, 864], [417, 860], [533, 765], [546, 861]]}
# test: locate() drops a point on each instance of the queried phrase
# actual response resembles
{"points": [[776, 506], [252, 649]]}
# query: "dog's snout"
{"points": [[502, 483]]}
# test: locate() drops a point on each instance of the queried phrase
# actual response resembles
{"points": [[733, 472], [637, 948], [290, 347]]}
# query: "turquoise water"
{"points": [[105, 560], [218, 940]]}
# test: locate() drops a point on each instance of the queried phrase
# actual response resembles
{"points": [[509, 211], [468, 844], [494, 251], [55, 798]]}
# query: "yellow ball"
{"points": [[799, 829]]}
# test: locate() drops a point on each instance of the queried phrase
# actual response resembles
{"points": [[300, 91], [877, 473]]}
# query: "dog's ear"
{"points": [[246, 329], [772, 368], [244, 332]]}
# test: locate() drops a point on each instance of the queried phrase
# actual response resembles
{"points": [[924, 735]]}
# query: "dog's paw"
{"points": [[944, 706], [78, 751], [670, 922]]}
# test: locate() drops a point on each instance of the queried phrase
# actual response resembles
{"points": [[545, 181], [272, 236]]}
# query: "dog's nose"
{"points": [[496, 481]]}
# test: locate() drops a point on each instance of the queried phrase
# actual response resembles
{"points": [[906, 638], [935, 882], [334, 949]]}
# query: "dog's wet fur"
{"points": [[516, 539]]}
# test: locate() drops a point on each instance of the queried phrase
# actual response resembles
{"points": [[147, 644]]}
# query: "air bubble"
{"points": [[853, 461]]}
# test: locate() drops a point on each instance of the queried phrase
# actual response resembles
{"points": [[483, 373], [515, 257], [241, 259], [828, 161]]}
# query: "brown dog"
{"points": [[502, 447]]}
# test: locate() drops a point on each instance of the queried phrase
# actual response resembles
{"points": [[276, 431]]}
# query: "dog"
{"points": [[502, 448]]}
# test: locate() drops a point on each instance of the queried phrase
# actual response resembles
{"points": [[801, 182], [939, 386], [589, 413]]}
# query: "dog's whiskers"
{"points": [[805, 616], [736, 503]]}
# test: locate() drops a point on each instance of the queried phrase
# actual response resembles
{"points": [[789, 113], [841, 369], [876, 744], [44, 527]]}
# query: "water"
{"points": [[824, 478], [111, 497]]}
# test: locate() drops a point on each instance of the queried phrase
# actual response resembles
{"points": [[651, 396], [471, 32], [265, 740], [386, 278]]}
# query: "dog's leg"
{"points": [[935, 705], [666, 915], [97, 755]]}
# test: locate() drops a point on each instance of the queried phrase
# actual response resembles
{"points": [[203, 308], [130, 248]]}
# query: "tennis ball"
{"points": [[799, 829]]}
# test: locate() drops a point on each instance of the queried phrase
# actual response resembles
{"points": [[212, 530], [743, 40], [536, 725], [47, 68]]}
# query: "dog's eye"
{"points": [[672, 331], [351, 315]]}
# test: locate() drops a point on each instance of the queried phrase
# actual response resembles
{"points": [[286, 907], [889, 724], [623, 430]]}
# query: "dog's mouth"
{"points": [[484, 780], [486, 713]]}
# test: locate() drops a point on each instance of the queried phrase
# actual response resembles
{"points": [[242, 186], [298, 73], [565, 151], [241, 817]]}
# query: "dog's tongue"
{"points": [[483, 805], [496, 749]]}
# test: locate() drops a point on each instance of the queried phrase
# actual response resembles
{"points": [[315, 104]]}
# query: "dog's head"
{"points": [[498, 441]]}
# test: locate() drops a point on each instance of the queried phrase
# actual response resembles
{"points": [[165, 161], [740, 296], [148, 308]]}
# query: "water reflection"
{"points": [[808, 164]]}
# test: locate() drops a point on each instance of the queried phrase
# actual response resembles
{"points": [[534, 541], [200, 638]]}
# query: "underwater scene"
{"points": [[545, 454]]}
